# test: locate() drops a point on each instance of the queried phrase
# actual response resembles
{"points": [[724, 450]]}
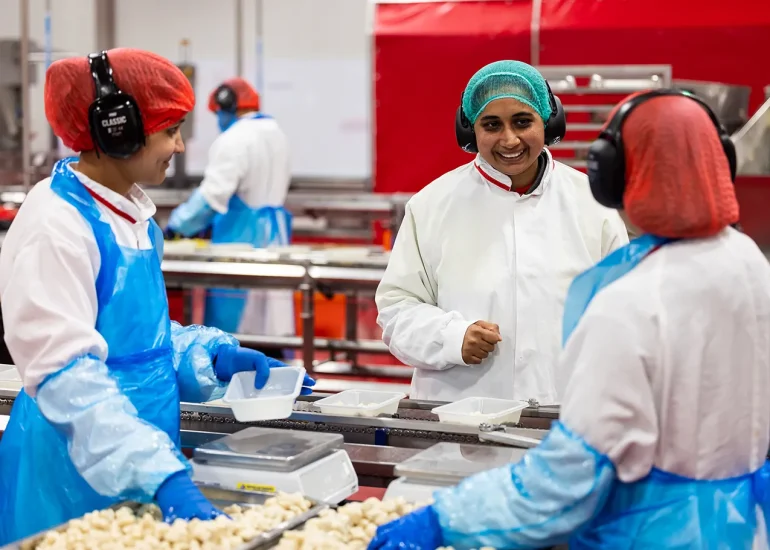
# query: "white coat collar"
{"points": [[491, 176], [136, 206]]}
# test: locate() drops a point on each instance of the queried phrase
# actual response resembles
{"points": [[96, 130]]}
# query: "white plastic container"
{"points": [[9, 373], [473, 411], [273, 402], [185, 246], [361, 403]]}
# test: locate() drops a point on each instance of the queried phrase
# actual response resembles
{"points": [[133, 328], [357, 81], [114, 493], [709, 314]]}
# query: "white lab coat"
{"points": [[470, 249], [670, 364], [251, 160], [48, 267]]}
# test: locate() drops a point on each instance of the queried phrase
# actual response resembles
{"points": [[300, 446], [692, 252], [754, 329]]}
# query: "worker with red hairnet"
{"points": [[85, 310], [665, 424], [241, 198]]}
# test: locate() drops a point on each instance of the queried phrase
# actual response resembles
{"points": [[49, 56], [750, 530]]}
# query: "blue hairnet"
{"points": [[513, 79]]}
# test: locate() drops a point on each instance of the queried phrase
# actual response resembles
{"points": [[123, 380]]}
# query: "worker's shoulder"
{"points": [[441, 189], [577, 185], [246, 131], [45, 215], [577, 181]]}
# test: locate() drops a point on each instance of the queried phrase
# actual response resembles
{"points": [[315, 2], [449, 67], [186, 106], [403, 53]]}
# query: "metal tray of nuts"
{"points": [[220, 498]]}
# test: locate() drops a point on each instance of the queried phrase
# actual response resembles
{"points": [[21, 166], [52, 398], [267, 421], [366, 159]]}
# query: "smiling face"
{"points": [[510, 136], [149, 165]]}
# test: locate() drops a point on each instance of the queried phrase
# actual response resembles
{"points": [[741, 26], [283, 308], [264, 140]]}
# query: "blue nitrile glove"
{"points": [[419, 530], [179, 498], [232, 359], [169, 234]]}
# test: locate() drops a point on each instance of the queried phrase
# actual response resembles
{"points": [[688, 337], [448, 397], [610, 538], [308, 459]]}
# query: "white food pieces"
{"points": [[350, 527], [144, 530]]}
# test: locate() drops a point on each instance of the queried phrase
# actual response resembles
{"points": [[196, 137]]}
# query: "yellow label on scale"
{"points": [[256, 487]]}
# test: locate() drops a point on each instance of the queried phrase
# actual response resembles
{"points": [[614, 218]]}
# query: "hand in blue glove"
{"points": [[179, 498], [169, 234], [232, 359], [419, 530]]}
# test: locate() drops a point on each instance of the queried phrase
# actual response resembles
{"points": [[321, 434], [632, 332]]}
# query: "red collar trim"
{"points": [[502, 186], [110, 205]]}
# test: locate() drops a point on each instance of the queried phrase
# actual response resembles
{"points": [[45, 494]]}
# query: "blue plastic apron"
{"points": [[667, 511], [664, 510], [259, 227], [39, 486]]}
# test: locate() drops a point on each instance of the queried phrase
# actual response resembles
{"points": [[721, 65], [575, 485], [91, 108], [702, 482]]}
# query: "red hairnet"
{"points": [[248, 98], [678, 180], [161, 90]]}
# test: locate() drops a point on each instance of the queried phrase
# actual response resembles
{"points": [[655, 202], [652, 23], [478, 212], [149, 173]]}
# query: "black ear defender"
{"points": [[114, 118], [555, 126], [226, 99], [606, 156]]}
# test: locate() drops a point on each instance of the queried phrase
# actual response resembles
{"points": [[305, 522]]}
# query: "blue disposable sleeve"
{"points": [[554, 490], [116, 452], [195, 348], [192, 216]]}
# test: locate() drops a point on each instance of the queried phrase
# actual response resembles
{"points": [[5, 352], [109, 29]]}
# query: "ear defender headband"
{"points": [[114, 118], [226, 99], [606, 156], [555, 126]]}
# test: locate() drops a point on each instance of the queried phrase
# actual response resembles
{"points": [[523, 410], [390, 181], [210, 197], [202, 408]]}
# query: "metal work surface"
{"points": [[308, 271], [414, 415], [376, 446]]}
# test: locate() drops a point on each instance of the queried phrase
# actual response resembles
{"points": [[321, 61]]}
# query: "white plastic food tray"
{"points": [[273, 402], [9, 373], [473, 411], [361, 403]]}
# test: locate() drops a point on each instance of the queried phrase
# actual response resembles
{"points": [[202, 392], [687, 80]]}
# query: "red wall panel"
{"points": [[426, 52], [424, 56], [700, 39]]}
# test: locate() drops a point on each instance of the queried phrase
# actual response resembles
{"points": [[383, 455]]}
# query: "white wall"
{"points": [[315, 77], [72, 30]]}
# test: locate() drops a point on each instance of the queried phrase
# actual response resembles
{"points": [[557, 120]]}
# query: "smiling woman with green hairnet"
{"points": [[474, 291]]}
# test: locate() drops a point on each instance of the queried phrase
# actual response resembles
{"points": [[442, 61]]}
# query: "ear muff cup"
{"points": [[114, 118], [555, 126]]}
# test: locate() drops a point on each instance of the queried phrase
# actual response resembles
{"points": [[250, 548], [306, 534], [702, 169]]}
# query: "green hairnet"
{"points": [[500, 79]]}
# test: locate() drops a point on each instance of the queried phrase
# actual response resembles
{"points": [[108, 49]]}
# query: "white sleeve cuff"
{"points": [[453, 335]]}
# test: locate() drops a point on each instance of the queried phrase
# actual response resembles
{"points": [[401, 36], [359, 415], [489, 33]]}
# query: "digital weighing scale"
{"points": [[444, 465], [271, 460]]}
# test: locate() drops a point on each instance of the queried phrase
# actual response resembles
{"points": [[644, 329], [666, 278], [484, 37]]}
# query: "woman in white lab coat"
{"points": [[241, 197], [474, 290], [665, 424]]}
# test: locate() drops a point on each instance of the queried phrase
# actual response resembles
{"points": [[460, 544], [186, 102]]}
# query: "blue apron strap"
{"points": [[613, 267], [66, 184], [156, 238]]}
